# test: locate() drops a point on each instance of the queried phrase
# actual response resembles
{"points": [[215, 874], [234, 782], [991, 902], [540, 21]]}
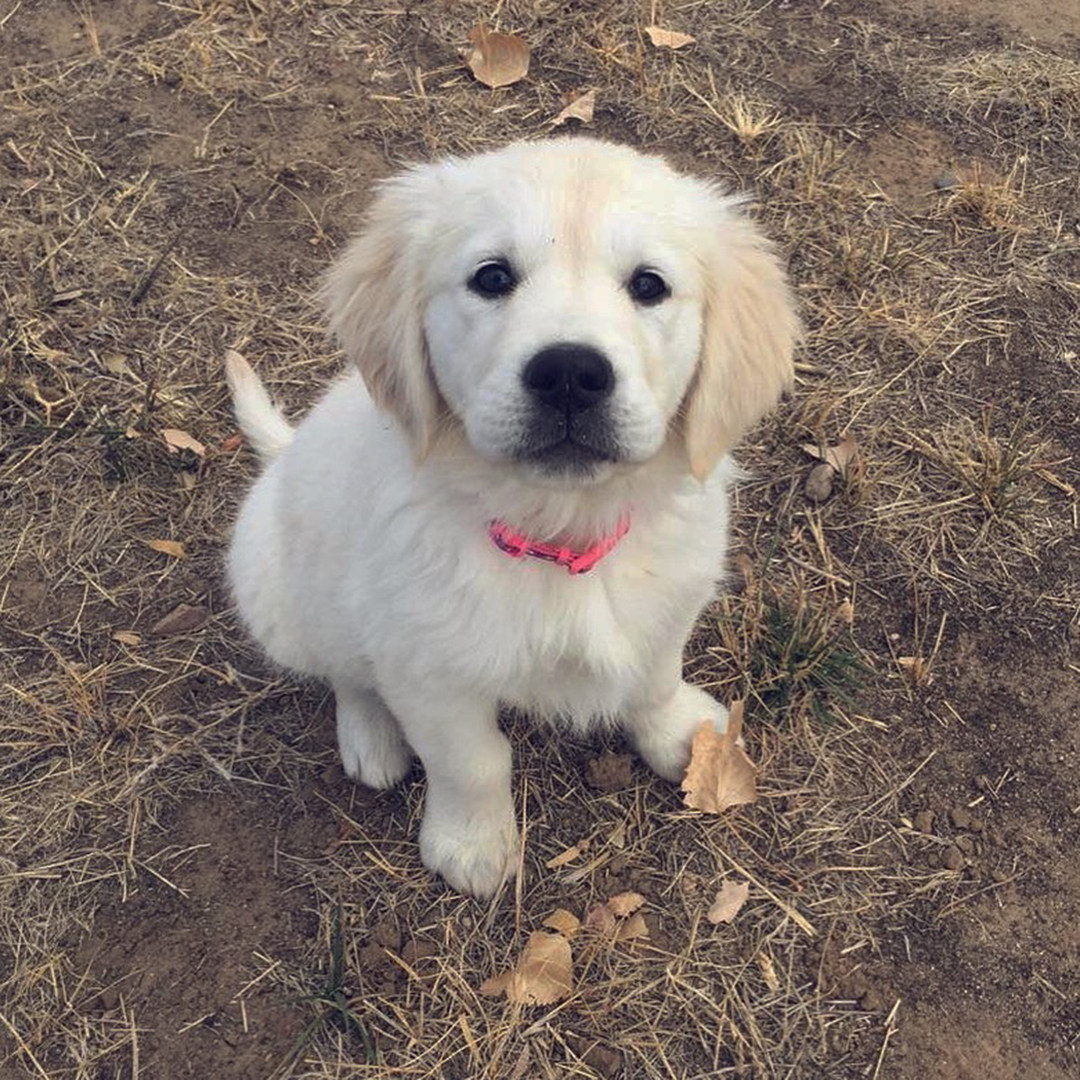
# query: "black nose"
{"points": [[570, 378]]}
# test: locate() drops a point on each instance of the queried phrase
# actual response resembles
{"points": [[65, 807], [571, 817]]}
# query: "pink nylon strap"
{"points": [[519, 546]]}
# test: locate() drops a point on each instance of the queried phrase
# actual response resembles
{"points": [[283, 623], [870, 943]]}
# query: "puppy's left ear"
{"points": [[750, 332], [375, 301]]}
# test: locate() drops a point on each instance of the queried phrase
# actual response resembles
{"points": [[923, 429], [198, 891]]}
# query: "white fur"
{"points": [[362, 553]]}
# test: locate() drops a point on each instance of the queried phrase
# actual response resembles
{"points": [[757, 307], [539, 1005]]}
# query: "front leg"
{"points": [[666, 713], [469, 834]]}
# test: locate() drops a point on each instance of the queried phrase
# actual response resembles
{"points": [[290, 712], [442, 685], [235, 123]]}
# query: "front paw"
{"points": [[663, 736], [475, 854], [370, 742]]}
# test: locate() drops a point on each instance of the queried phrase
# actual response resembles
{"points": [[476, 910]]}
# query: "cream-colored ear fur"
{"points": [[751, 328], [374, 300]]}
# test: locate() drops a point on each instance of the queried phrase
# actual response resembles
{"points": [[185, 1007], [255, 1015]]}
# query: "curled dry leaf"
{"points": [[173, 548], [729, 901], [625, 903], [564, 922], [618, 918], [845, 612], [116, 364], [768, 970], [668, 39], [497, 59], [831, 460], [719, 774], [182, 619], [839, 456], [127, 637], [233, 442], [581, 108], [177, 440], [632, 929], [543, 975], [568, 856]]}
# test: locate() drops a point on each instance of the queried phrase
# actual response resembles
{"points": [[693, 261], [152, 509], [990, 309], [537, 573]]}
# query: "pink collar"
{"points": [[518, 546]]}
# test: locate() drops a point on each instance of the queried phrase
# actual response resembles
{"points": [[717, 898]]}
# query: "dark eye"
{"points": [[493, 279], [648, 287]]}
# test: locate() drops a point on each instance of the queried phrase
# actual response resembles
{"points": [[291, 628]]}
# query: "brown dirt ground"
{"points": [[177, 842]]}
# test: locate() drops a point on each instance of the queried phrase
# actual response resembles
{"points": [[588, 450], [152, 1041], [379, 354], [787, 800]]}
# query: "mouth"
{"points": [[568, 456]]}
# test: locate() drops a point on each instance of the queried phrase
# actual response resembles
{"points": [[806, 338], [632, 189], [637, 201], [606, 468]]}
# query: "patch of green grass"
{"points": [[334, 1010], [799, 655]]}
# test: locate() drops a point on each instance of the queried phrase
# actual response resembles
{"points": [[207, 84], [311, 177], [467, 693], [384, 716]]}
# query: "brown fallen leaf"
{"points": [[568, 856], [633, 929], [127, 637], [173, 548], [233, 442], [668, 39], [768, 970], [564, 922], [116, 364], [182, 619], [616, 918], [729, 901], [720, 774], [177, 440], [845, 612], [497, 59], [581, 108], [625, 903], [543, 975], [839, 456], [917, 669]]}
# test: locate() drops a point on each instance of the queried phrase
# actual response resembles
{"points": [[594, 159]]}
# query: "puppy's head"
{"points": [[570, 304]]}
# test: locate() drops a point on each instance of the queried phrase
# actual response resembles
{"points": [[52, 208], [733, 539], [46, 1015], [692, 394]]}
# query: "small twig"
{"points": [[889, 1032], [143, 287]]}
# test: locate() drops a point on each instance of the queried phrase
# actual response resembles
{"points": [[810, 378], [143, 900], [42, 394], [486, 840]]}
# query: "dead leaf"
{"points": [[127, 637], [543, 975], [729, 901], [633, 929], [839, 456], [233, 442], [625, 903], [564, 922], [668, 39], [917, 668], [182, 619], [768, 970], [720, 774], [173, 548], [177, 440], [567, 856], [116, 364], [581, 108], [497, 59], [615, 918]]}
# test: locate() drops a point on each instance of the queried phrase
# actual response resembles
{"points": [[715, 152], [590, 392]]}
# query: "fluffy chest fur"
{"points": [[421, 592]]}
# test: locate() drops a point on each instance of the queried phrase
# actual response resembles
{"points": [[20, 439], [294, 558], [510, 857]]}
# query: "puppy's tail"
{"points": [[259, 418]]}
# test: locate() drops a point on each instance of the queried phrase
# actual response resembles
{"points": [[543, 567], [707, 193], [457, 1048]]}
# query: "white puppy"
{"points": [[522, 499]]}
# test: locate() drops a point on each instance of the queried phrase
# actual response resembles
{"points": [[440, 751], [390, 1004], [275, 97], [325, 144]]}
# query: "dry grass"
{"points": [[174, 182]]}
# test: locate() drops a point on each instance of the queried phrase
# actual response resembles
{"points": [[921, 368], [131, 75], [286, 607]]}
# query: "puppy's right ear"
{"points": [[374, 299]]}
